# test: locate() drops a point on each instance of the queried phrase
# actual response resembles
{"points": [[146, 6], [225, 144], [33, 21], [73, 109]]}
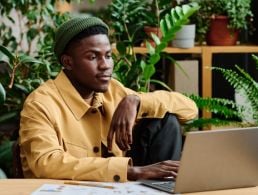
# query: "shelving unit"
{"points": [[206, 53]]}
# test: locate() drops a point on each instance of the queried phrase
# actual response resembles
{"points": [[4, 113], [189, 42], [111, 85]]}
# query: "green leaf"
{"points": [[149, 70], [9, 54], [8, 115], [28, 59], [2, 94], [155, 38], [22, 88], [154, 58], [121, 48], [150, 48]]}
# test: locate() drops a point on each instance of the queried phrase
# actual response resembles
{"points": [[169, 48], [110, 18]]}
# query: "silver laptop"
{"points": [[215, 160]]}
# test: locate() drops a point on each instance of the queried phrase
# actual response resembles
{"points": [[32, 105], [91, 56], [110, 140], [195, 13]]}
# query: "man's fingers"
{"points": [[169, 174], [129, 134], [124, 138]]}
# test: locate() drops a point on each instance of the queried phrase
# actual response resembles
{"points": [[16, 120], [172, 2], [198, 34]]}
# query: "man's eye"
{"points": [[108, 56], [92, 57]]}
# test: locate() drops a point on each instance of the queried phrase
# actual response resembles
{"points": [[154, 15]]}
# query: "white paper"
{"points": [[119, 188]]}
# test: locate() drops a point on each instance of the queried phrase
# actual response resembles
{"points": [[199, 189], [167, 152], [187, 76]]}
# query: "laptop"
{"points": [[215, 160]]}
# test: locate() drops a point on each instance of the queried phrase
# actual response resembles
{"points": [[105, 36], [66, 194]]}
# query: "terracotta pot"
{"points": [[219, 34], [150, 29]]}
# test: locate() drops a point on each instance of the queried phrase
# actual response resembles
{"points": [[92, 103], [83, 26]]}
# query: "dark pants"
{"points": [[156, 140]]}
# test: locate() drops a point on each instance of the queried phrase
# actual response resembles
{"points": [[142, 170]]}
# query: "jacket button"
{"points": [[95, 149], [144, 114], [116, 177]]}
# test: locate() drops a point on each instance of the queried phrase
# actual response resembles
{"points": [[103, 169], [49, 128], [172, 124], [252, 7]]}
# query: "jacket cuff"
{"points": [[147, 103], [118, 169]]}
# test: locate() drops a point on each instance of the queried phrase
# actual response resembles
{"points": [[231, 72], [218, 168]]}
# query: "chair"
{"points": [[17, 166]]}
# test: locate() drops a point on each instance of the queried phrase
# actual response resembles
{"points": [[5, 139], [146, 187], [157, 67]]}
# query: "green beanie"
{"points": [[71, 28]]}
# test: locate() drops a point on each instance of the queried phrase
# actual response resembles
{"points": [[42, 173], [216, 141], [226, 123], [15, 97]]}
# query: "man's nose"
{"points": [[105, 63]]}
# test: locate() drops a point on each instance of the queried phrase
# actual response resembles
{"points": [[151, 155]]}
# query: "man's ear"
{"points": [[66, 61]]}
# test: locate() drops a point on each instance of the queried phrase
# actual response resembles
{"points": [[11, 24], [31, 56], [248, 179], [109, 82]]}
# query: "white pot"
{"points": [[185, 37]]}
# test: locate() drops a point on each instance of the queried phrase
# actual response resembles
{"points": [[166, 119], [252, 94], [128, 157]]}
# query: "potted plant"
{"points": [[220, 21], [155, 10], [136, 72], [231, 112], [185, 37]]}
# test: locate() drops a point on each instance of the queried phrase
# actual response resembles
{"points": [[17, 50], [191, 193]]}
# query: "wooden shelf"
{"points": [[206, 53]]}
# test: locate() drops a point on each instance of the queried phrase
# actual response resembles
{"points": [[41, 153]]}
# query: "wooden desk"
{"points": [[206, 53], [27, 186]]}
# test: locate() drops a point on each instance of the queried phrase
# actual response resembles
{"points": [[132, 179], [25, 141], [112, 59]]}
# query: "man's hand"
{"points": [[122, 122], [159, 170]]}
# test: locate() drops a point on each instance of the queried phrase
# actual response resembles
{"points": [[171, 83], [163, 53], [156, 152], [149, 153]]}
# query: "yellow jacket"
{"points": [[61, 135]]}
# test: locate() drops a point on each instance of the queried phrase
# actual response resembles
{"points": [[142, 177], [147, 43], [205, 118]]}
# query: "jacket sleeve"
{"points": [[44, 155], [156, 104]]}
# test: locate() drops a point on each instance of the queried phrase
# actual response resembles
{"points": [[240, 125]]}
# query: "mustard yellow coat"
{"points": [[61, 135]]}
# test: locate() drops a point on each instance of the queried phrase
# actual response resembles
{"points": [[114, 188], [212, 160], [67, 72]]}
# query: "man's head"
{"points": [[68, 30], [83, 48]]}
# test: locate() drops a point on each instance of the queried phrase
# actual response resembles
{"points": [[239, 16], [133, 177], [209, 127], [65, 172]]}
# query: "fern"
{"points": [[223, 107], [241, 80], [229, 111]]}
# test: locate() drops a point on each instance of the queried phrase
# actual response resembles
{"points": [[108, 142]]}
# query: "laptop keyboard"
{"points": [[166, 186]]}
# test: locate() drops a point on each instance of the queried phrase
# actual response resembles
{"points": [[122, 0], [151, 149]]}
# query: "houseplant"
{"points": [[136, 72], [231, 112], [26, 60], [185, 37], [237, 14], [128, 18]]}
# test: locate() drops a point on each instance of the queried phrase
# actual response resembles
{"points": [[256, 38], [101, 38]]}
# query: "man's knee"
{"points": [[157, 140], [171, 124]]}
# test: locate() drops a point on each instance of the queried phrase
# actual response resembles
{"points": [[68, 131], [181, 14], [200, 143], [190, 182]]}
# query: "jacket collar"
{"points": [[73, 99]]}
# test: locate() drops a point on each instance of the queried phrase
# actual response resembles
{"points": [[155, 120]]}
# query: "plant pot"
{"points": [[185, 37], [220, 34], [155, 30]]}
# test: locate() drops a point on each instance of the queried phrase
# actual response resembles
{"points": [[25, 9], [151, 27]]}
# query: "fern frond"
{"points": [[255, 58], [207, 122], [241, 80], [223, 107]]}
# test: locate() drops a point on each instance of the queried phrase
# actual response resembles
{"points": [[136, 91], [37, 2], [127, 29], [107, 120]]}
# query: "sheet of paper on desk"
{"points": [[119, 188]]}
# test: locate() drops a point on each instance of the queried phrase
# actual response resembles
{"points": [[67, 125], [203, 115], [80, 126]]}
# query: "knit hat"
{"points": [[73, 27]]}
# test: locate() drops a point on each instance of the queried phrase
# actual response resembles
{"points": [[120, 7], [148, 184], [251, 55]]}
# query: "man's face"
{"points": [[91, 63]]}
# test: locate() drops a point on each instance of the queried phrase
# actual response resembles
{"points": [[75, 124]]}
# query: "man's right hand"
{"points": [[159, 170]]}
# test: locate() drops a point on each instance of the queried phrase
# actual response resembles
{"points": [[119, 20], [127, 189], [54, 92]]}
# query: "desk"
{"points": [[206, 53], [27, 186]]}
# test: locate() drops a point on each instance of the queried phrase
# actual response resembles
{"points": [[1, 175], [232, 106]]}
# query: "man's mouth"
{"points": [[104, 77]]}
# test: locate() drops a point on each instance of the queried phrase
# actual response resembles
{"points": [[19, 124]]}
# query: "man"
{"points": [[81, 125]]}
